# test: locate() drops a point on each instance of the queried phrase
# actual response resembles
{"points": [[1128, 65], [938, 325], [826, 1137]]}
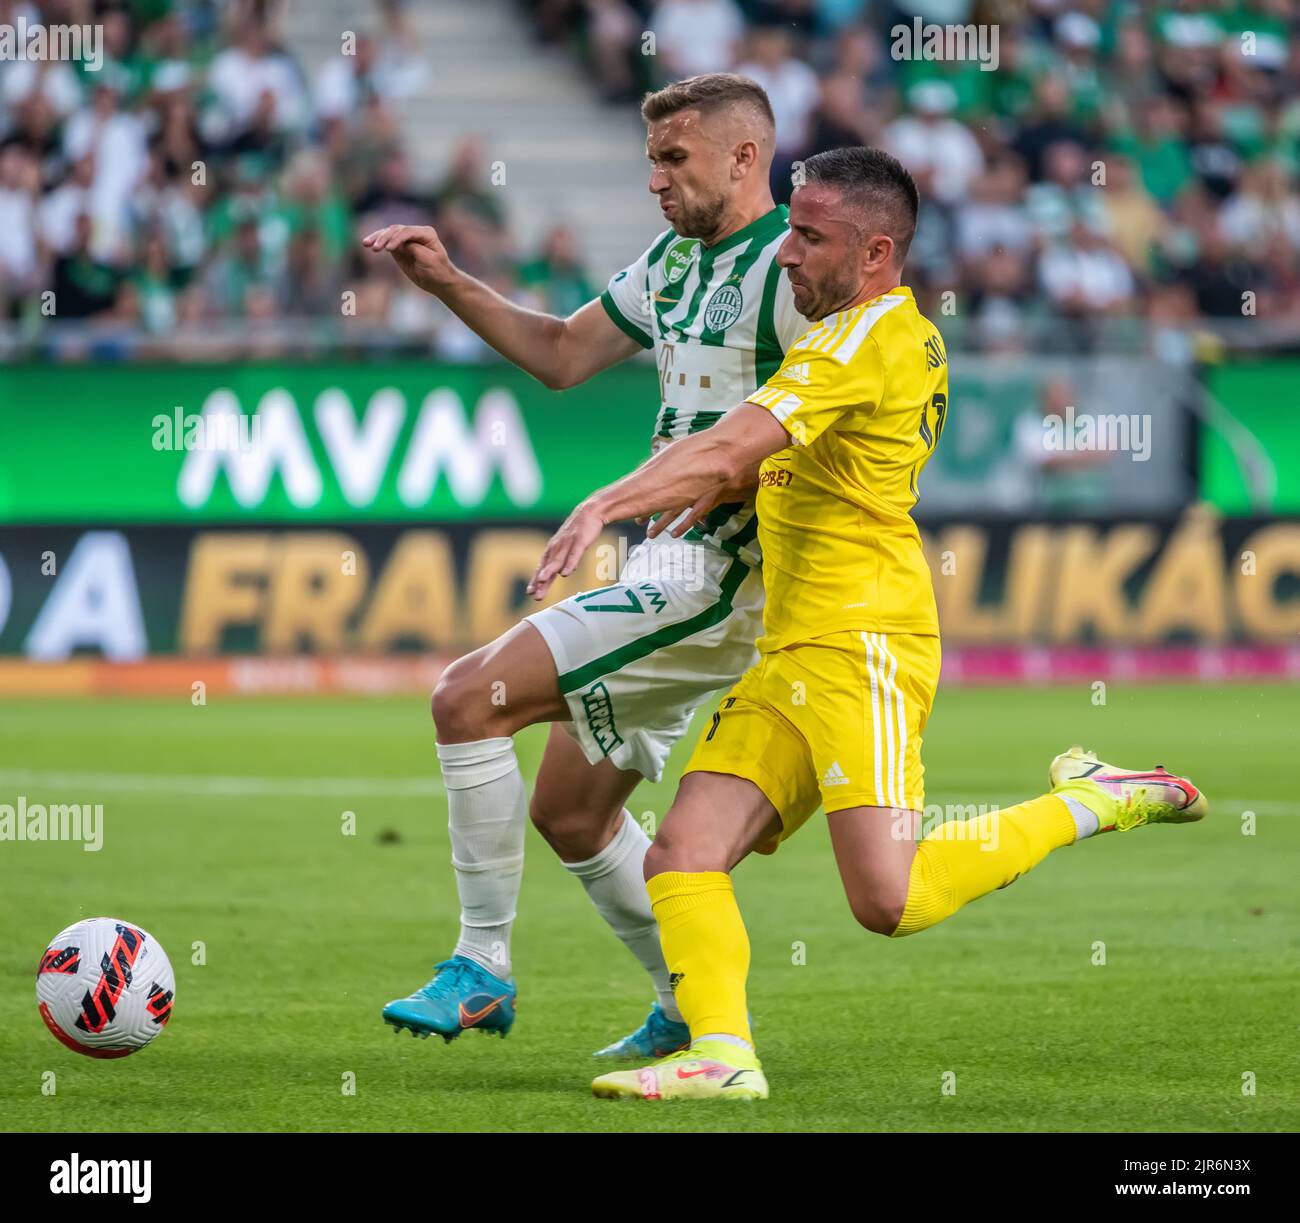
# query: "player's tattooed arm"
{"points": [[682, 482], [558, 352]]}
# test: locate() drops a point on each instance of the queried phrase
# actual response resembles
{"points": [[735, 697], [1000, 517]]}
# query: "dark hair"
{"points": [[709, 92], [876, 183]]}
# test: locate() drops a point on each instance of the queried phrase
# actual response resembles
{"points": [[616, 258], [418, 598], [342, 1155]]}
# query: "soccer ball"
{"points": [[105, 987]]}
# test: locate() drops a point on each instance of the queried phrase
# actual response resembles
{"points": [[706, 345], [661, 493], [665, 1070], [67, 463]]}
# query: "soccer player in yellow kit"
{"points": [[833, 711]]}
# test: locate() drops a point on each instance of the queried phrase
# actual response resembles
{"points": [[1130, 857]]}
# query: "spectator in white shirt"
{"points": [[995, 218], [1263, 211], [117, 140], [1084, 275], [252, 81], [941, 153], [695, 36], [790, 83], [53, 80], [20, 179], [62, 206], [344, 80]]}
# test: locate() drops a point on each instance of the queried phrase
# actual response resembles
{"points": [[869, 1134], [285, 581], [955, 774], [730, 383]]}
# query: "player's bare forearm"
{"points": [[558, 352], [693, 474], [697, 471], [743, 486], [655, 485], [526, 338], [676, 477]]}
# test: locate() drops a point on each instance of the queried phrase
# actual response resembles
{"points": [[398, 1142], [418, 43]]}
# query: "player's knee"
{"points": [[659, 856], [575, 829], [546, 818], [880, 915], [461, 706], [683, 849], [444, 704], [555, 821]]}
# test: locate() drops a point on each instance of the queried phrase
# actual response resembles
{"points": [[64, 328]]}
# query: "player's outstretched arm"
{"points": [[692, 474], [558, 352]]}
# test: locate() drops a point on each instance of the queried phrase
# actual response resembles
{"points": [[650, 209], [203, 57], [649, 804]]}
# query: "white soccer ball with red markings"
{"points": [[105, 987]]}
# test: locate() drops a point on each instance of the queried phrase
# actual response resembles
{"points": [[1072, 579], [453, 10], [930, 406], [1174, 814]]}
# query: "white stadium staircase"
{"points": [[567, 157]]}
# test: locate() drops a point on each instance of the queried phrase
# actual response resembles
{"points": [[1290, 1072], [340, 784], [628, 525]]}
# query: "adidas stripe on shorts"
{"points": [[833, 721]]}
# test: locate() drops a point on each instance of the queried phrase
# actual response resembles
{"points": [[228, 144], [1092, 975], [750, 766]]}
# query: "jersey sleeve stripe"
{"points": [[786, 406], [826, 334], [625, 325], [814, 336], [830, 343], [782, 406], [765, 396], [848, 345]]}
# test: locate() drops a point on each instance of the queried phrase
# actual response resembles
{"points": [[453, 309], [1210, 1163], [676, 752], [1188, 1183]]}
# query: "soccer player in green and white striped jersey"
{"points": [[619, 670], [719, 318]]}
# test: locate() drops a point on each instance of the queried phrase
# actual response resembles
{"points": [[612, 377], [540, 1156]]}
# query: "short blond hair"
{"points": [[709, 92]]}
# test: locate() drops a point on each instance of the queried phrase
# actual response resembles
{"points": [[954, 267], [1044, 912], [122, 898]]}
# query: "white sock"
{"points": [[616, 885], [487, 812], [1085, 821], [725, 1037]]}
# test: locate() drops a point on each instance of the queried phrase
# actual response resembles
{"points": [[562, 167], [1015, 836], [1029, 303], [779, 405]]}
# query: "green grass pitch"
{"points": [[223, 827]]}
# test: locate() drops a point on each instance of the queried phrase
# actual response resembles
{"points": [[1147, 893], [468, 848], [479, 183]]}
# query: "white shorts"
{"points": [[637, 658]]}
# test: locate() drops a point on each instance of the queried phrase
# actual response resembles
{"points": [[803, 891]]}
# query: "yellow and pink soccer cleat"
{"points": [[1124, 799], [710, 1070]]}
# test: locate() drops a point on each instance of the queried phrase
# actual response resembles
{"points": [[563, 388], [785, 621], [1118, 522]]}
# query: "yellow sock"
{"points": [[706, 948], [966, 859]]}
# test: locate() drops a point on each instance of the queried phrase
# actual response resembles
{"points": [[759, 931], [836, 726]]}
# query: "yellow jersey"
{"points": [[863, 395]]}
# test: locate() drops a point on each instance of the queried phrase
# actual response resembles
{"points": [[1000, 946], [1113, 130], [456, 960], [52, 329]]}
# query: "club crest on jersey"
{"points": [[679, 257], [723, 307]]}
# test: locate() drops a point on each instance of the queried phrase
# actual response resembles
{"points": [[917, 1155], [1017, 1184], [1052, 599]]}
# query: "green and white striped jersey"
{"points": [[719, 319]]}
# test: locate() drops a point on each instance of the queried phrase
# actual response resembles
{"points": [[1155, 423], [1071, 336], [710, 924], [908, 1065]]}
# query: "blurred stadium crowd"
{"points": [[1190, 109], [200, 176]]}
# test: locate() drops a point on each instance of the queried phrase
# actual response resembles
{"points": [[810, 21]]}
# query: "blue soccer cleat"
{"points": [[657, 1037], [462, 995]]}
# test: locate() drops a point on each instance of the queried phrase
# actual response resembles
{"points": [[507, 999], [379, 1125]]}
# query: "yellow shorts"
{"points": [[835, 721]]}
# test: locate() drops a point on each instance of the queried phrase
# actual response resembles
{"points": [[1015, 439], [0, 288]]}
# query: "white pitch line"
{"points": [[205, 783], [419, 787]]}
